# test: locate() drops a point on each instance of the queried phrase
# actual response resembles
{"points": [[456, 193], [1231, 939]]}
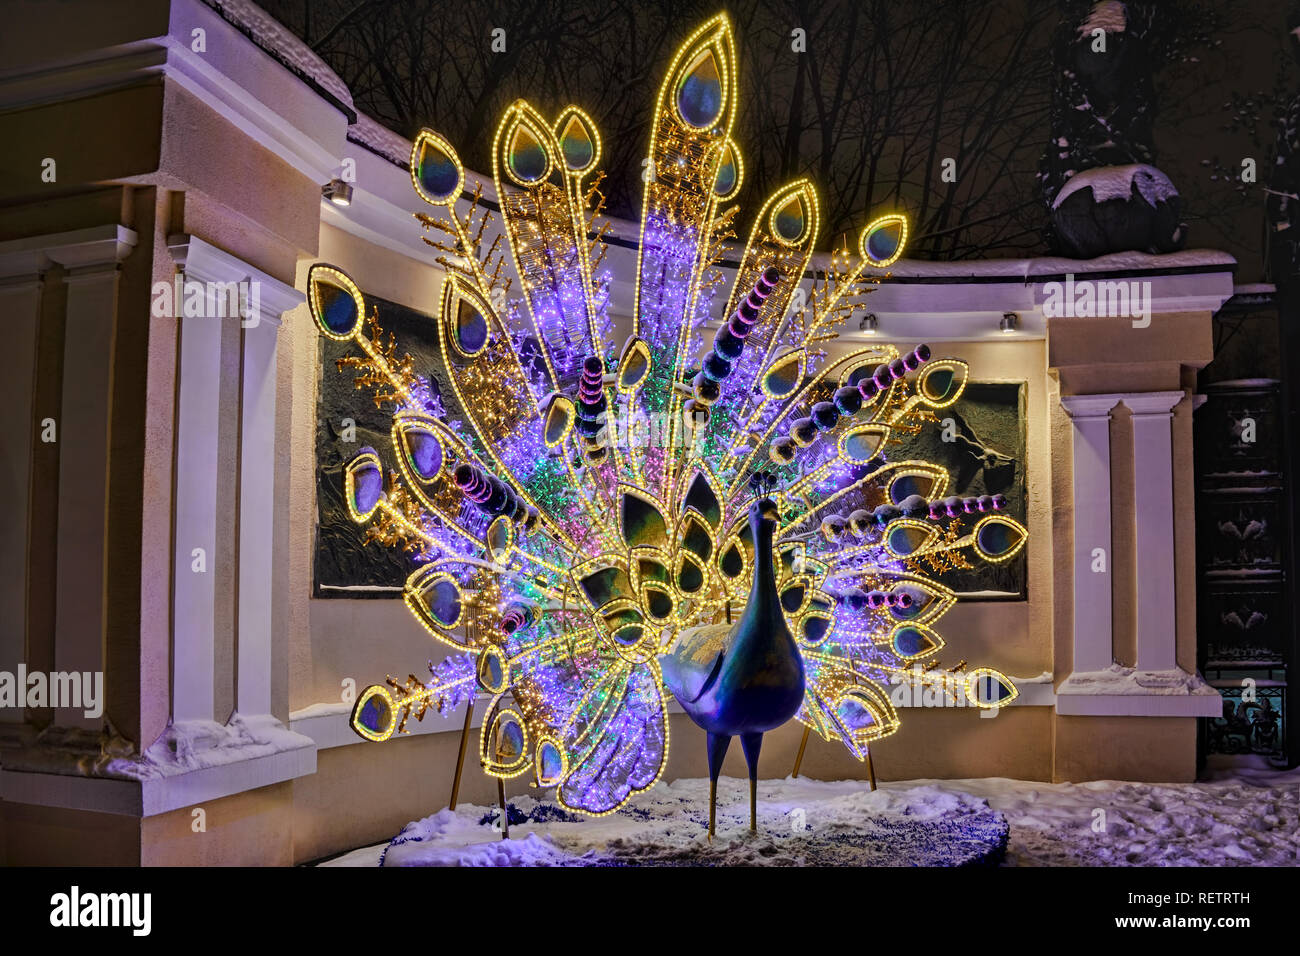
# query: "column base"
{"points": [[191, 762], [1140, 749], [1127, 692]]}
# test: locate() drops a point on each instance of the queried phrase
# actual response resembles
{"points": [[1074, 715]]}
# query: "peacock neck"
{"points": [[764, 569], [761, 609]]}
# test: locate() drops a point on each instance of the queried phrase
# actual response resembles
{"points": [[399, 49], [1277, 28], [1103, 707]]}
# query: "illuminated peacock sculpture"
{"points": [[723, 523]]}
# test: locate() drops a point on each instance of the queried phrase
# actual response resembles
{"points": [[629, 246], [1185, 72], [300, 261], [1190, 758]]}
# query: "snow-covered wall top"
{"points": [[278, 41]]}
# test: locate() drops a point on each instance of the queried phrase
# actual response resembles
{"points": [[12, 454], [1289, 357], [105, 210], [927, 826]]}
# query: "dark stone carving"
{"points": [[345, 565], [1241, 626], [1238, 436], [987, 456], [1241, 534]]}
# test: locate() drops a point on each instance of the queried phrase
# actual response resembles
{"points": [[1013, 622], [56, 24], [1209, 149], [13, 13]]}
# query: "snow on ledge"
{"points": [[1126, 691], [200, 744], [281, 44], [1211, 260], [312, 711], [623, 236], [190, 762], [1118, 679], [380, 140]]}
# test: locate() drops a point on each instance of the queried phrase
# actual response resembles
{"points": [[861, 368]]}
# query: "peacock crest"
{"points": [[594, 503]]}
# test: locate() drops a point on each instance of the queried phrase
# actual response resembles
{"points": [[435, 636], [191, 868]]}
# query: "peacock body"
{"points": [[587, 527]]}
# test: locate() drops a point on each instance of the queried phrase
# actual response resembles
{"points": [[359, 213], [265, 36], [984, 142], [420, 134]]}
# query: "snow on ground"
{"points": [[1242, 814], [800, 822]]}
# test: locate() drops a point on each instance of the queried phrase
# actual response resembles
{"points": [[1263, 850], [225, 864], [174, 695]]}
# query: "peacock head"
{"points": [[763, 512]]}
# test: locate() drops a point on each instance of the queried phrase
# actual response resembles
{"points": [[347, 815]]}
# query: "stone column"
{"points": [[257, 504], [81, 577], [20, 304], [197, 520], [1154, 505], [194, 534], [1090, 416]]}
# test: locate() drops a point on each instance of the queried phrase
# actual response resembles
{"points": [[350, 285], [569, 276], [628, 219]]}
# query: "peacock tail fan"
{"points": [[593, 504]]}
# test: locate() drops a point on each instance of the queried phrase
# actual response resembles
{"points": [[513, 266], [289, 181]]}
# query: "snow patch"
{"points": [[281, 43], [198, 744], [1118, 679], [1242, 814], [1119, 182], [320, 710], [379, 139], [800, 822]]}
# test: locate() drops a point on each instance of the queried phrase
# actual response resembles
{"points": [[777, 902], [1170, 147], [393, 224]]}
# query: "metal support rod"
{"points": [[460, 758], [505, 814], [713, 805], [798, 758], [871, 769]]}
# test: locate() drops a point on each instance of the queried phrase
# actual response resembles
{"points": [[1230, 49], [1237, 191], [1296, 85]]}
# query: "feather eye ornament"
{"points": [[581, 574]]}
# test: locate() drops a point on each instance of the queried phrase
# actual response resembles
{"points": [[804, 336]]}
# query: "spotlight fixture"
{"points": [[868, 324], [338, 192], [1009, 322]]}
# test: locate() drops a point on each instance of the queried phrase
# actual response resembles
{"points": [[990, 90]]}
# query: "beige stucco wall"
{"points": [[51, 836], [1150, 749], [159, 159], [254, 828]]}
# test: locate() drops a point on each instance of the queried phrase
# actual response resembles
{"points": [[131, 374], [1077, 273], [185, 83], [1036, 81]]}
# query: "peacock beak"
{"points": [[767, 508]]}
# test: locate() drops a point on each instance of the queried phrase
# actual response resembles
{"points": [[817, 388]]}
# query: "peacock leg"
{"points": [[713, 804], [717, 746], [798, 758], [751, 743]]}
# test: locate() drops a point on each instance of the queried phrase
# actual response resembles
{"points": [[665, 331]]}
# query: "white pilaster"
{"points": [[257, 498], [20, 304], [197, 520], [90, 257], [1090, 416], [1154, 509], [84, 420], [1156, 687], [194, 529]]}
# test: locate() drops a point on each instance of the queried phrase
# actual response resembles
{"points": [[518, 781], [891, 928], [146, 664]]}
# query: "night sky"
{"points": [[878, 97]]}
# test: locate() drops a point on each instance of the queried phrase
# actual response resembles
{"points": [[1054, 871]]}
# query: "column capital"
{"points": [[1153, 403], [102, 245], [90, 272], [1090, 406], [205, 262]]}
